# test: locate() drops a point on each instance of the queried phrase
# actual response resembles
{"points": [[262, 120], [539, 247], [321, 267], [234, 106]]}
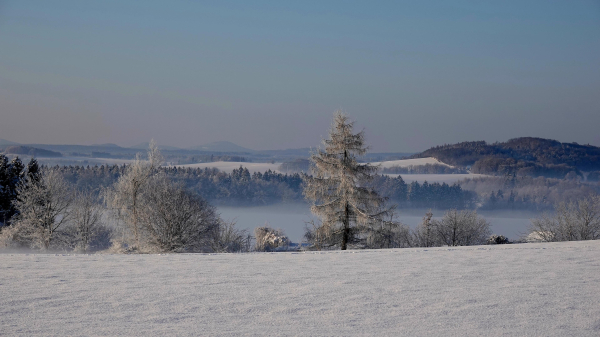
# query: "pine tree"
{"points": [[337, 189], [5, 200], [11, 175], [33, 171]]}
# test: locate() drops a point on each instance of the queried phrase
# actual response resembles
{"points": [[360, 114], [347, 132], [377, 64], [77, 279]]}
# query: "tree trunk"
{"points": [[346, 231]]}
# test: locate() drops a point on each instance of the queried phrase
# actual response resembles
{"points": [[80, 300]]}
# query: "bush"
{"points": [[269, 239], [497, 240]]}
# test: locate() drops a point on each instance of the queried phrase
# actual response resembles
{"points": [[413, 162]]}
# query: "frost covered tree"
{"points": [[572, 221], [338, 187], [388, 234], [43, 207], [461, 228], [124, 197], [86, 221], [162, 216], [425, 235], [173, 220]]}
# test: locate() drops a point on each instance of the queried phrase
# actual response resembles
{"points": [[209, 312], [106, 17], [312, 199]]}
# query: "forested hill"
{"points": [[523, 156]]}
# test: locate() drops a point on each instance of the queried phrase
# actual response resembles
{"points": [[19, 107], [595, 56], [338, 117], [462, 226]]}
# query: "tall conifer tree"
{"points": [[338, 187]]}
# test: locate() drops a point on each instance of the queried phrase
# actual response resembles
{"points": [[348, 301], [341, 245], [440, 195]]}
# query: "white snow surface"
{"points": [[229, 166], [534, 289], [430, 178], [409, 162]]}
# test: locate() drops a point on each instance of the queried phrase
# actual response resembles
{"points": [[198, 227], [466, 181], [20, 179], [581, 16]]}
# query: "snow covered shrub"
{"points": [[497, 240], [269, 239], [539, 236]]}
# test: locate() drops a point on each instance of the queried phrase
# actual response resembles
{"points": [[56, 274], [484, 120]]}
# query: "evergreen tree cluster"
{"points": [[12, 174], [240, 187], [424, 169], [428, 195]]}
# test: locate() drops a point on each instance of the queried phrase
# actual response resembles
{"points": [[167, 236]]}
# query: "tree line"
{"points": [[147, 212], [240, 187]]}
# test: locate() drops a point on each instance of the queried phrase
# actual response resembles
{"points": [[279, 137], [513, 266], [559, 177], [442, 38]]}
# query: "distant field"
{"points": [[410, 162], [548, 289], [430, 178], [262, 167]]}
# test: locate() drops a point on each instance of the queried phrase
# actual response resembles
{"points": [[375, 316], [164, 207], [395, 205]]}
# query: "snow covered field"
{"points": [[431, 178], [410, 162], [550, 289], [262, 167]]}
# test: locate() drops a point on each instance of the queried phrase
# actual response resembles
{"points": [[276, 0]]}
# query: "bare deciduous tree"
{"points": [[338, 189], [231, 239], [388, 234], [462, 228], [86, 220]]}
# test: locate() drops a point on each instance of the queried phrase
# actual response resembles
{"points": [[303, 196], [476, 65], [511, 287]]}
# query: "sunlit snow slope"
{"points": [[550, 289]]}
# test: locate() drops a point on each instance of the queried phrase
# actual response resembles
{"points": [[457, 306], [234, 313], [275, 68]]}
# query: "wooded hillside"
{"points": [[525, 156]]}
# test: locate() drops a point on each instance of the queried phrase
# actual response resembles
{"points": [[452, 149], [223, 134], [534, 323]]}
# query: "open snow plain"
{"points": [[548, 289]]}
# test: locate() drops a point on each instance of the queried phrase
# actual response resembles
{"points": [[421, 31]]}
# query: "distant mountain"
{"points": [[4, 142], [222, 146], [31, 151], [527, 156], [144, 146]]}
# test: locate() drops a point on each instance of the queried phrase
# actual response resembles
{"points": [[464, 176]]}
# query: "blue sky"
{"points": [[268, 75]]}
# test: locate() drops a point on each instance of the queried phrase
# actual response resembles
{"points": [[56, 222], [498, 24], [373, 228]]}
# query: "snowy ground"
{"points": [[549, 289]]}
